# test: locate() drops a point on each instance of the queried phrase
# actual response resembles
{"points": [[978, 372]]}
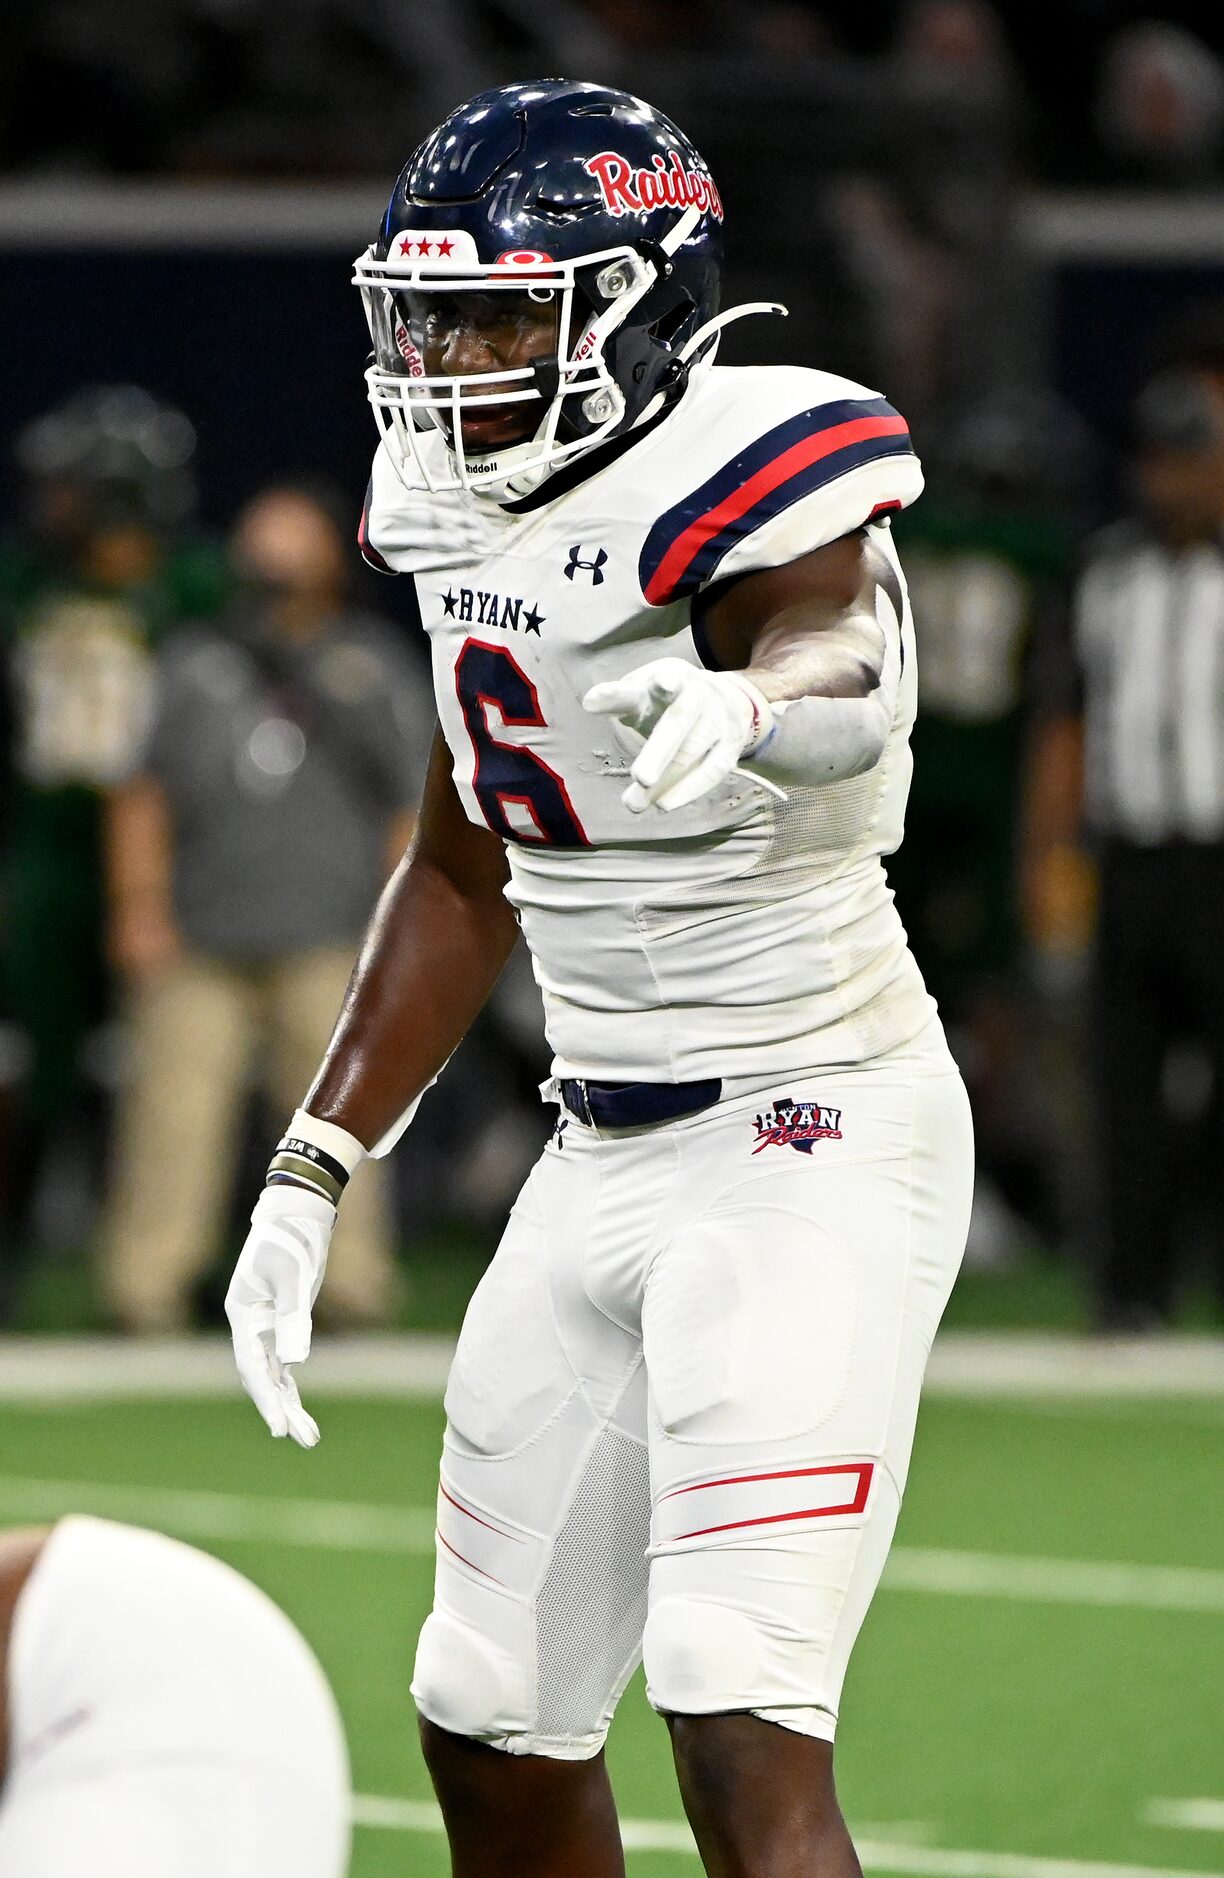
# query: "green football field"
{"points": [[1038, 1693]]}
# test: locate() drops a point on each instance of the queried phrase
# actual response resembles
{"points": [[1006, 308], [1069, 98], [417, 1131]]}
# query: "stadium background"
{"points": [[1004, 219]]}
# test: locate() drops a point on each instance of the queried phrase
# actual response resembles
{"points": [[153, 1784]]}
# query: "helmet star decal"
{"points": [[423, 245], [433, 244]]}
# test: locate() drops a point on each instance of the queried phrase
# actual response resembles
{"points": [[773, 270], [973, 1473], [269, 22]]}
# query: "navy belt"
{"points": [[636, 1104]]}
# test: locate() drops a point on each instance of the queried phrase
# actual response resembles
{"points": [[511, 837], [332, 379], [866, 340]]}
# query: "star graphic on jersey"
{"points": [[533, 621], [450, 602], [444, 247]]}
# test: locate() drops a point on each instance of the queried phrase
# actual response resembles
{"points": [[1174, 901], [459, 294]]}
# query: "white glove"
{"points": [[270, 1297], [697, 726]]}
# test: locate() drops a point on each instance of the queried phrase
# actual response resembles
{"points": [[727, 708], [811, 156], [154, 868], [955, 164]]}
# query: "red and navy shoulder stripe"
{"points": [[815, 447]]}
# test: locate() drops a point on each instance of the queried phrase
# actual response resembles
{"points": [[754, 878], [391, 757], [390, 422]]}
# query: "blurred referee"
{"points": [[1129, 750]]}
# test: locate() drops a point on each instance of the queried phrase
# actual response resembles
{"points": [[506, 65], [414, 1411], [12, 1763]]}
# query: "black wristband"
{"points": [[303, 1164]]}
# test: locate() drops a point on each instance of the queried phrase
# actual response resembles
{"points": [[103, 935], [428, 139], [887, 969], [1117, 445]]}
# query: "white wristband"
{"points": [[327, 1135], [316, 1155]]}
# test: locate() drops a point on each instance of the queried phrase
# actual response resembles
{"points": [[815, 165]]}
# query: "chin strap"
{"points": [[527, 481], [713, 328], [677, 374], [680, 231]]}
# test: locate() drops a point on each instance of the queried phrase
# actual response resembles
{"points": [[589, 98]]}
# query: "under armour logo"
{"points": [[593, 568]]}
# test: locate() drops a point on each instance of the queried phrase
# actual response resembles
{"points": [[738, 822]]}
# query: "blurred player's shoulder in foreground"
{"points": [[135, 1655]]}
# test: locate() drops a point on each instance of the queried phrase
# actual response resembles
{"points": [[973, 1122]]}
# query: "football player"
{"points": [[159, 1717], [674, 668]]}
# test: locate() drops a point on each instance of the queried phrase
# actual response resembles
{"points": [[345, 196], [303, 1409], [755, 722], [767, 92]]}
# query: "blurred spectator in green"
{"points": [[985, 551], [12, 1049], [102, 564], [1128, 768], [276, 790]]}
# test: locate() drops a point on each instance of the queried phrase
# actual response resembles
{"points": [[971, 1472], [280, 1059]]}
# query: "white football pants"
{"points": [[682, 1405], [166, 1721]]}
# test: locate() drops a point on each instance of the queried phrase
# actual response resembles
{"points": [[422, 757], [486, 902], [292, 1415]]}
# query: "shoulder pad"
{"points": [[811, 457]]}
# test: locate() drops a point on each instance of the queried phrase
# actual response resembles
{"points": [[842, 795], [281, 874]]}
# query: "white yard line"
{"points": [[99, 1369], [964, 1364], [928, 1862], [335, 1525], [1054, 1580], [1186, 1815], [381, 1813], [1028, 1364], [354, 1526], [876, 1850], [638, 1835]]}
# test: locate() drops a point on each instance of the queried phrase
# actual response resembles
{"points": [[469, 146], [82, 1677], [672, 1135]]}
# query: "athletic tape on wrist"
{"points": [[315, 1154], [762, 712]]}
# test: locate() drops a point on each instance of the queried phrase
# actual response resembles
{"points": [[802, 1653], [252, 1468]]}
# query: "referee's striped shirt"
{"points": [[1148, 627]]}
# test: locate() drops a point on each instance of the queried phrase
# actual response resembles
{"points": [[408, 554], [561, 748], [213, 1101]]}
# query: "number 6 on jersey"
{"points": [[508, 776]]}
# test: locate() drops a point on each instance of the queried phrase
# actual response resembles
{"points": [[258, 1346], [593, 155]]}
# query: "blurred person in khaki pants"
{"points": [[1126, 787], [102, 561], [276, 792]]}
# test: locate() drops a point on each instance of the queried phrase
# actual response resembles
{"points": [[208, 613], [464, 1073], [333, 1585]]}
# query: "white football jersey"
{"points": [[741, 935]]}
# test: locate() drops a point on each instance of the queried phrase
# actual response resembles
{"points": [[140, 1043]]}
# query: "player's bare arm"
{"points": [[808, 629], [438, 940]]}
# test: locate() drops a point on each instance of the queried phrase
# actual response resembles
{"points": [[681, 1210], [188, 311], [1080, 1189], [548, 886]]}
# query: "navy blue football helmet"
{"points": [[575, 194]]}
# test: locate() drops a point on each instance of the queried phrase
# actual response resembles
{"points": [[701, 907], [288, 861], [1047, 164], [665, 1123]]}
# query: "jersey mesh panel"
{"points": [[591, 1607], [814, 835]]}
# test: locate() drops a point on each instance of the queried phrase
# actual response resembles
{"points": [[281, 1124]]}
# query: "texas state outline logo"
{"points": [[798, 1125]]}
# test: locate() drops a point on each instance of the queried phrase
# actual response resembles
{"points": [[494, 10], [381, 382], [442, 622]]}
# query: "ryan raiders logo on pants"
{"points": [[798, 1125]]}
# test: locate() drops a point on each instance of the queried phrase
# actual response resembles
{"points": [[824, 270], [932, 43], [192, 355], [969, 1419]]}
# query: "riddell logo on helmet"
{"points": [[408, 352], [666, 185]]}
